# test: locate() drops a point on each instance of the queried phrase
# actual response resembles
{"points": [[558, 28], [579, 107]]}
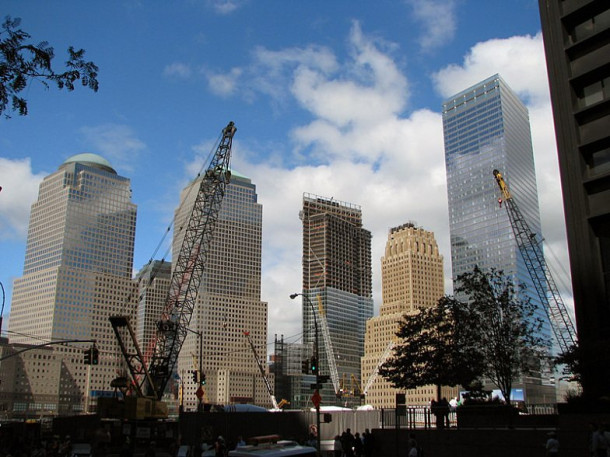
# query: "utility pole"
{"points": [[316, 394]]}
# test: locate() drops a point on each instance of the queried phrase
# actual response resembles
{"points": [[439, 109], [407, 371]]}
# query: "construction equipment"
{"points": [[262, 370], [531, 251], [384, 356], [330, 354], [150, 375]]}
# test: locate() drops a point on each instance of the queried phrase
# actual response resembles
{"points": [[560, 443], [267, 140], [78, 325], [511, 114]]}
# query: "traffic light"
{"points": [[323, 378], [88, 356], [202, 379], [314, 365], [195, 376], [94, 355], [305, 366]]}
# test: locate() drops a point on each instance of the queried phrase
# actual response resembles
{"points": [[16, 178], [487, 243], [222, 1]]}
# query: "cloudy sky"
{"points": [[337, 98]]}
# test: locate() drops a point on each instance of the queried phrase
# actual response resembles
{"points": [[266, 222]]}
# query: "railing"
{"points": [[421, 416]]}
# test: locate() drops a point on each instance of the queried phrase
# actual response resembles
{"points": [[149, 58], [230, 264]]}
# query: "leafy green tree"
{"points": [[508, 327], [438, 346], [21, 63]]}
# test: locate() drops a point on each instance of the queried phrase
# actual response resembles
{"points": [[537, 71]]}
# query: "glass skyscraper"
{"points": [[336, 275], [486, 127]]}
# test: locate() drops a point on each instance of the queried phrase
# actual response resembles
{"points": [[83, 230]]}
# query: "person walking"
{"points": [[552, 445], [337, 446], [599, 442]]}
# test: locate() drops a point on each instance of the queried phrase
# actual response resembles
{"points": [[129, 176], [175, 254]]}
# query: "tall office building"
{"points": [[153, 285], [486, 127], [77, 272], [336, 276], [229, 302], [578, 58], [411, 278]]}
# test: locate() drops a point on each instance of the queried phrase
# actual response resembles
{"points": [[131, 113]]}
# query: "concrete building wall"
{"points": [[229, 301], [77, 272], [412, 278]]}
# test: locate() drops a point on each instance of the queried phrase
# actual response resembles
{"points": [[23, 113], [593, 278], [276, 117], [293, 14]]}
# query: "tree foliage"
{"points": [[494, 334], [435, 348], [21, 63], [509, 329]]}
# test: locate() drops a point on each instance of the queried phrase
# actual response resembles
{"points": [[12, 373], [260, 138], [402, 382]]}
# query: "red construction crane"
{"points": [[150, 375]]}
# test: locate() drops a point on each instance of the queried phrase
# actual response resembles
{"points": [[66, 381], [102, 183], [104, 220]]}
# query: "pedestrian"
{"points": [[444, 409], [337, 447], [150, 450], [599, 442], [552, 445], [412, 447], [369, 443], [358, 446], [347, 442], [220, 448]]}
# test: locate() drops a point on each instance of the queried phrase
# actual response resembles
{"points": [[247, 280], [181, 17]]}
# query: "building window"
{"points": [[594, 92]]}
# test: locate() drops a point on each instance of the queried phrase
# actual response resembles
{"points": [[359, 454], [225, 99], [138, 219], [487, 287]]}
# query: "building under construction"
{"points": [[337, 284]]}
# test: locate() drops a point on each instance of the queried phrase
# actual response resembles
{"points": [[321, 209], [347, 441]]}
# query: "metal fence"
{"points": [[423, 418]]}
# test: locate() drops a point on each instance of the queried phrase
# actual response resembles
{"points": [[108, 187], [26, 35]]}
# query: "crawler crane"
{"points": [[531, 251], [150, 375]]}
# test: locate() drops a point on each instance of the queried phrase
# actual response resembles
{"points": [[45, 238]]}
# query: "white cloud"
{"points": [[361, 148], [519, 60], [438, 21], [19, 191], [226, 6], [116, 143], [223, 84], [178, 70]]}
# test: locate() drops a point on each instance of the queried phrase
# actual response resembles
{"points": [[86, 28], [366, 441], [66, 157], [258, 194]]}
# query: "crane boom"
{"points": [[330, 354], [262, 370], [384, 356], [531, 251], [186, 278]]}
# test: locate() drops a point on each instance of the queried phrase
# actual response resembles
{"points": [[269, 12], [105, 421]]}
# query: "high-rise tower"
{"points": [[412, 278], [337, 274], [486, 127], [77, 271], [229, 301], [578, 58]]}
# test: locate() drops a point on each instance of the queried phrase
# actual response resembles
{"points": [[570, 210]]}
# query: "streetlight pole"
{"points": [[200, 377], [316, 354], [2, 311]]}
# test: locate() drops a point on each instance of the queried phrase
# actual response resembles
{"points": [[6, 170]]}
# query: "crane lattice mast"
{"points": [[186, 278], [330, 353], [531, 251]]}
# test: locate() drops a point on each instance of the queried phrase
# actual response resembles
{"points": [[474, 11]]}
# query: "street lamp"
{"points": [[316, 354], [2, 310]]}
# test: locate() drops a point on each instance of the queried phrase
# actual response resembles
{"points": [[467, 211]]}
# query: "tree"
{"points": [[438, 346], [21, 63], [509, 329]]}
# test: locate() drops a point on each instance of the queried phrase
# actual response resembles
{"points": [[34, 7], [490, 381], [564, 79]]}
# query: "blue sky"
{"points": [[337, 98]]}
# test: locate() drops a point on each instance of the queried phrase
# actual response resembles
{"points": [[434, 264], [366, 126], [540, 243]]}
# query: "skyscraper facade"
{"points": [[486, 127], [412, 278], [77, 272], [578, 58], [337, 280], [229, 302], [153, 286]]}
